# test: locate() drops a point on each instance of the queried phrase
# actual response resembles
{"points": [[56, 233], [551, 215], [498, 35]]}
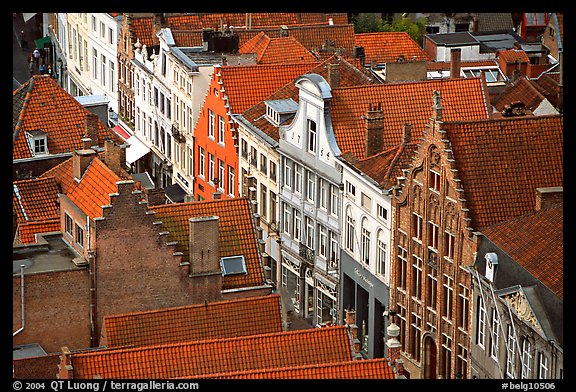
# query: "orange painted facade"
{"points": [[207, 170]]}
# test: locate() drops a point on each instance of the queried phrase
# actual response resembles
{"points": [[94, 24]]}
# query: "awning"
{"points": [[144, 179], [175, 193], [136, 150], [41, 43]]}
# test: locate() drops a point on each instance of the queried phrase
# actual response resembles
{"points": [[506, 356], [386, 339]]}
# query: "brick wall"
{"points": [[45, 367], [56, 309]]}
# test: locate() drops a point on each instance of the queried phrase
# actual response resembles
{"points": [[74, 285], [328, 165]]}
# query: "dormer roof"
{"points": [[276, 50]]}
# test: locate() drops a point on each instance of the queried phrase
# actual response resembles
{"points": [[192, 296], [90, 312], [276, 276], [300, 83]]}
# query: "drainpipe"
{"points": [[22, 295], [93, 295]]}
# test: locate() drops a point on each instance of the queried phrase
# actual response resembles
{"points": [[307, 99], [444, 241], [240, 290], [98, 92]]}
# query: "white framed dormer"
{"points": [[280, 110], [38, 142]]}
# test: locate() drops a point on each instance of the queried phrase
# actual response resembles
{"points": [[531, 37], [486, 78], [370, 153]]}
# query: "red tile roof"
{"points": [[276, 50], [264, 351], [502, 162], [523, 240], [522, 90], [27, 230], [36, 199], [363, 369], [63, 175], [510, 56], [94, 189], [41, 104], [462, 99], [213, 320], [387, 47], [349, 76], [236, 231], [264, 80]]}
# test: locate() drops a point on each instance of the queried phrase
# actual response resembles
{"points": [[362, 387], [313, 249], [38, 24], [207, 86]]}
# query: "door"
{"points": [[429, 358]]}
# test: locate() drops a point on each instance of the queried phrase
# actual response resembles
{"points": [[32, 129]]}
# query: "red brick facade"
{"points": [[432, 245]]}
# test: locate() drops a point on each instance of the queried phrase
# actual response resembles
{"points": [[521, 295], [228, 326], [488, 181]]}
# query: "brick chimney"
{"points": [[65, 370], [204, 246], [115, 156], [394, 348], [407, 133], [81, 159], [455, 60], [353, 331], [155, 196], [374, 141], [334, 75], [91, 127], [546, 197]]}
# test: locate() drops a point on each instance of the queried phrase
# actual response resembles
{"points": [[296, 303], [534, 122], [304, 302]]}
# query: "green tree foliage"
{"points": [[370, 23]]}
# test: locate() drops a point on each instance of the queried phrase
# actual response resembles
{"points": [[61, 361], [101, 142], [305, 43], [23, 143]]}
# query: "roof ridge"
{"points": [[192, 306], [182, 205], [509, 119]]}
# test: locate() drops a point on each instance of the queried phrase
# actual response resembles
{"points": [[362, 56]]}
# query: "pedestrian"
{"points": [[49, 70], [36, 55], [31, 65], [42, 69], [23, 42]]}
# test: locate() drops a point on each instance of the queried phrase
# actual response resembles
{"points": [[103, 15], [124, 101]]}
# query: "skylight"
{"points": [[233, 265]]}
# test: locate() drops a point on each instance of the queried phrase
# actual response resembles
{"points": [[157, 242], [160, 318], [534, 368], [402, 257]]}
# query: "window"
{"points": [[311, 136], [297, 178], [263, 201], [416, 226], [297, 225], [253, 157], [68, 224], [416, 276], [432, 235], [288, 174], [79, 235], [449, 240], [40, 146], [273, 170], [495, 335], [350, 189], [402, 263], [287, 219], [381, 256], [415, 335], [511, 352], [231, 181], [111, 77], [366, 202], [447, 308], [382, 212], [309, 232], [244, 145], [163, 63], [311, 188], [102, 30], [211, 120], [463, 307], [365, 251], [323, 194], [93, 23], [446, 356], [211, 164], [431, 286], [94, 64], [220, 129], [103, 73], [434, 181], [542, 366], [233, 265], [334, 200], [481, 323], [334, 250], [273, 206], [526, 358], [323, 241], [462, 360], [110, 36], [263, 164], [350, 224], [220, 180]]}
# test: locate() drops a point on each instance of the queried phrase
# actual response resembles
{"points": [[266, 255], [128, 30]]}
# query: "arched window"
{"points": [[365, 250], [350, 231]]}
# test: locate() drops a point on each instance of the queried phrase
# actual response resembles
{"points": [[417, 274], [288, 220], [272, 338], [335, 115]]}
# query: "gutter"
{"points": [[22, 295]]}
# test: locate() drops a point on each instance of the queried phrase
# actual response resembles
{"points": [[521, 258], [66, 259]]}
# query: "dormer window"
{"points": [[280, 110], [38, 142]]}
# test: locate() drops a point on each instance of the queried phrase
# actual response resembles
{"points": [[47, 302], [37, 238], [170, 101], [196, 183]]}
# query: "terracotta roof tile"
{"points": [[27, 230], [36, 199], [46, 106], [264, 351], [349, 76], [386, 47], [522, 90], [502, 162], [462, 99], [236, 231], [264, 80], [95, 186], [363, 369], [510, 56], [276, 50], [523, 240], [214, 320], [549, 86], [63, 174]]}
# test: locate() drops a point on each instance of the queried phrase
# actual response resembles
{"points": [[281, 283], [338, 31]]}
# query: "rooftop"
{"points": [[50, 254], [386, 47]]}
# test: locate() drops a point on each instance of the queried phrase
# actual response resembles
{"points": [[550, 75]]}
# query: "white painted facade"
{"points": [[89, 41]]}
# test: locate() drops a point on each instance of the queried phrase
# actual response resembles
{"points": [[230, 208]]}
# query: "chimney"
{"points": [[334, 75], [91, 127], [394, 348], [283, 31], [65, 370], [546, 197], [407, 133], [455, 59], [155, 196], [115, 156], [81, 159], [353, 331], [204, 246], [86, 143], [374, 141]]}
